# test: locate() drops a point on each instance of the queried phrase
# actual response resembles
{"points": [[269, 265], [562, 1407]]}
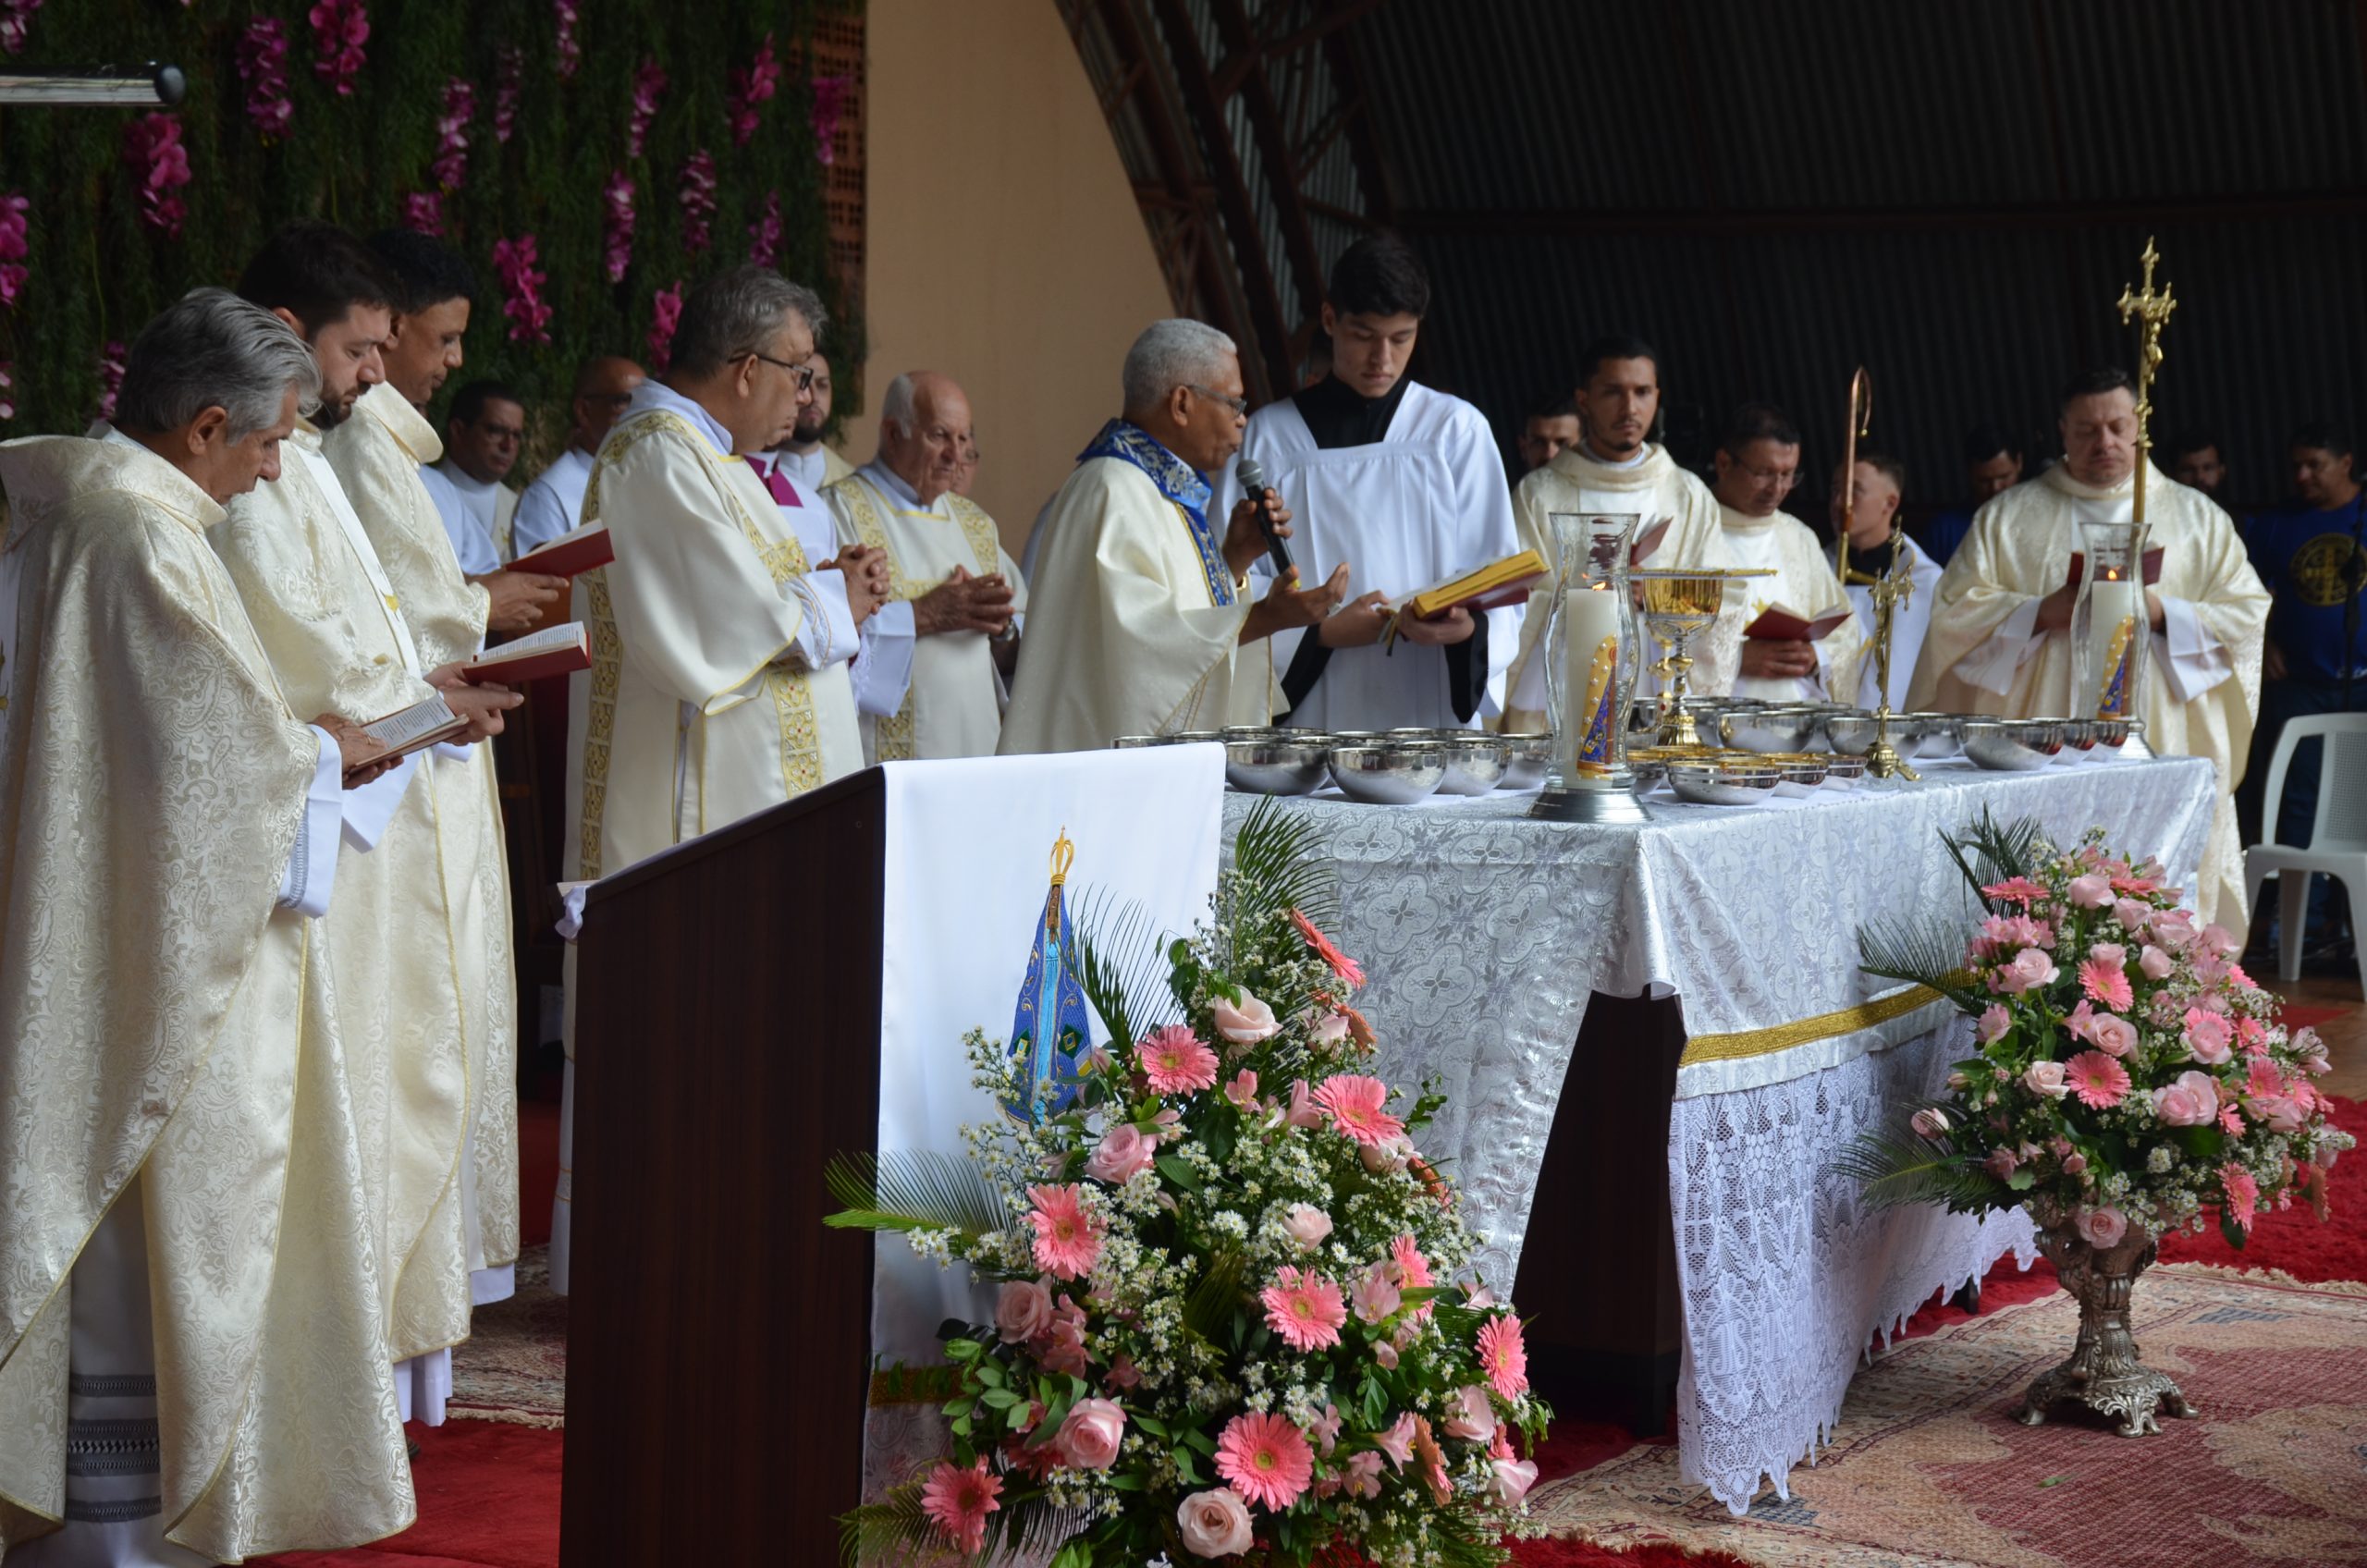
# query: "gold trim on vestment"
{"points": [[894, 739], [1806, 1030]]}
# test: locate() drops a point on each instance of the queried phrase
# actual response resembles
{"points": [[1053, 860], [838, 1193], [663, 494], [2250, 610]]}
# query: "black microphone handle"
{"points": [[1275, 551]]}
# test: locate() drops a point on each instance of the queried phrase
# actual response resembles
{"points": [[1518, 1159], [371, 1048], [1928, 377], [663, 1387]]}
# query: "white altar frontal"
{"points": [[1486, 935]]}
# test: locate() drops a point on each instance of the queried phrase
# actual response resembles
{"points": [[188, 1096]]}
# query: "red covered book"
{"points": [[569, 555], [555, 650], [1779, 623]]}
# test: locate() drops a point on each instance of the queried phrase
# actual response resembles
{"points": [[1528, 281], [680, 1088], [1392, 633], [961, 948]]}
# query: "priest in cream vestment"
{"points": [[1616, 469], [1757, 464], [192, 1354], [1999, 641], [954, 593], [1139, 620]]}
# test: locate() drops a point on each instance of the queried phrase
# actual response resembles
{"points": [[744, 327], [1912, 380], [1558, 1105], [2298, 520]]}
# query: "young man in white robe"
{"points": [[805, 456], [955, 599], [1878, 485], [470, 483], [2000, 637], [381, 457], [553, 504], [1757, 463], [193, 1355], [1616, 468], [1141, 621], [1405, 483]]}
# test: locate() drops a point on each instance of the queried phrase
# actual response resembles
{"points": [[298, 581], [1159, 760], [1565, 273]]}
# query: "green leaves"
{"points": [[1895, 1166], [1121, 965], [1273, 856], [2236, 1235], [912, 1190]]}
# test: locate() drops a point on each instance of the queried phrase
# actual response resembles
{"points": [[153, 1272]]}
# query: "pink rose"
{"points": [[1247, 1021], [2103, 1228], [2132, 914], [1121, 1152], [2090, 892], [2111, 954], [2030, 968], [1931, 1123], [1329, 1030], [2074, 1163], [1995, 1022], [1090, 1436], [2112, 1035], [1023, 1310], [1214, 1522], [2001, 1163], [2207, 1036], [2046, 1078], [1307, 1226], [2191, 1099], [2285, 1115], [2155, 963], [2221, 940]]}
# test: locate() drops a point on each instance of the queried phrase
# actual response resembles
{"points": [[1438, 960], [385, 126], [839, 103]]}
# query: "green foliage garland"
{"points": [[97, 272]]}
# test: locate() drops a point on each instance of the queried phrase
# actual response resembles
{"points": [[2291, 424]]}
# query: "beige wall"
{"points": [[1002, 245]]}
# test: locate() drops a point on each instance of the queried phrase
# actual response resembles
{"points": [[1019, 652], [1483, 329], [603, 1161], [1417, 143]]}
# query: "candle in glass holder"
{"points": [[2116, 619], [1590, 656]]}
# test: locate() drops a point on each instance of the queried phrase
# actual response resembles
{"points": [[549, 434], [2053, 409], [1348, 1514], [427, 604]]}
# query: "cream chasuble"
{"points": [[1984, 655], [1804, 581], [328, 616], [377, 455], [718, 682], [953, 707], [1137, 624], [1652, 489], [168, 1039]]}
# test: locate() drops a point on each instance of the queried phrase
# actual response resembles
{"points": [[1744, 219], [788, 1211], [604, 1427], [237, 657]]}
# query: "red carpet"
{"points": [[488, 1493]]}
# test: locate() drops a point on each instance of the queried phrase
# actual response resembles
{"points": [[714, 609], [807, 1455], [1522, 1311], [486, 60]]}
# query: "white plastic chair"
{"points": [[2337, 845]]}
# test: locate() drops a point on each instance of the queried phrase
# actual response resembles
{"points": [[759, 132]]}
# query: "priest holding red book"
{"points": [[1787, 619]]}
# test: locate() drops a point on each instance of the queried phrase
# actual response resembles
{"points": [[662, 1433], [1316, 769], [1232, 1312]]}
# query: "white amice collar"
{"points": [[1643, 455], [889, 480]]}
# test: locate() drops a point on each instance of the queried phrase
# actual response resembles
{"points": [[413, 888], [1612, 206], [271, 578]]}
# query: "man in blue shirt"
{"points": [[1992, 465], [2309, 554]]}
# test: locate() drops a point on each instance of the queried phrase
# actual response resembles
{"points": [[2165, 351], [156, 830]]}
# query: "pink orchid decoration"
{"points": [[339, 29], [617, 224], [423, 213], [829, 101], [698, 202], [521, 283], [764, 235], [13, 247], [159, 164], [666, 310], [111, 360], [262, 71], [751, 86], [648, 86], [16, 23], [569, 48], [452, 165], [509, 80]]}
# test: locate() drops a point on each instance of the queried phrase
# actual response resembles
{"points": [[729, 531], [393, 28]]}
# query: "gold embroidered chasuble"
{"points": [[698, 709], [332, 623], [377, 454], [953, 706], [162, 1021]]}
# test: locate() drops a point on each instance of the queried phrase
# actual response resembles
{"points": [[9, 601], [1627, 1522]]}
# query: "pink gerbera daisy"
{"points": [[2099, 1081], [1266, 1459], [1341, 964], [2019, 891], [2231, 1120], [2106, 983], [958, 1500], [1503, 1356], [1176, 1061], [1068, 1240], [1306, 1309], [1357, 1106], [2243, 1193], [1413, 1269]]}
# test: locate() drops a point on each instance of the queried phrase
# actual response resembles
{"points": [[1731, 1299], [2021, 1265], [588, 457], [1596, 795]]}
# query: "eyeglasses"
{"points": [[1783, 478], [804, 374], [1240, 405]]}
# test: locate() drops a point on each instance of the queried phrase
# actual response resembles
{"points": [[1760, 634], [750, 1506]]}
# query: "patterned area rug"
{"points": [[513, 1365], [1929, 1468]]}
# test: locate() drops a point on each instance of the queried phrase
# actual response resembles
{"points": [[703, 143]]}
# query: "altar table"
{"points": [[1491, 938]]}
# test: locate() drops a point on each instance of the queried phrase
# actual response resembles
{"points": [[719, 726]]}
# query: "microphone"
{"points": [[1253, 484]]}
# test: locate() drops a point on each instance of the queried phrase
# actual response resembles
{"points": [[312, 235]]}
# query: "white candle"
{"points": [[1590, 659], [2115, 601]]}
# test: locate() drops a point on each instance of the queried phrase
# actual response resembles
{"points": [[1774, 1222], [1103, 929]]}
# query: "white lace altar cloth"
{"points": [[1485, 933]]}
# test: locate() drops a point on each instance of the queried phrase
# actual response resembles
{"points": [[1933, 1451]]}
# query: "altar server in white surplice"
{"points": [[553, 504], [1139, 620], [470, 483], [1405, 483], [1757, 464], [1616, 468], [2000, 637], [192, 1353], [1877, 487], [956, 601]]}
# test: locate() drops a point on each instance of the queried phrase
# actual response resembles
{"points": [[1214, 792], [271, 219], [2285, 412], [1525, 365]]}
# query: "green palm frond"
{"points": [[1273, 859], [1989, 852], [912, 1190], [1925, 950], [891, 1530], [1122, 963], [1029, 1528], [1215, 1295], [1895, 1167]]}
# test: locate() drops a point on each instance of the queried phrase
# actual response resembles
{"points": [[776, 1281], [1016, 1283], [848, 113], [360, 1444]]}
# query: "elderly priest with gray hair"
{"points": [[192, 1359], [1140, 620]]}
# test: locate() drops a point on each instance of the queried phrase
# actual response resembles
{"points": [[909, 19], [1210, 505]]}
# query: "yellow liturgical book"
{"points": [[1492, 587]]}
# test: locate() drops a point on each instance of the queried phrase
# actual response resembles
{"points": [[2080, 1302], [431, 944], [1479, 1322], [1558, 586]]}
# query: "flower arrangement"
{"points": [[2130, 1073], [262, 71], [522, 288], [159, 165], [1233, 1313], [339, 29]]}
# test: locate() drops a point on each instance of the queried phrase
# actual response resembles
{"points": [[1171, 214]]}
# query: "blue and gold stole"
{"points": [[1180, 483]]}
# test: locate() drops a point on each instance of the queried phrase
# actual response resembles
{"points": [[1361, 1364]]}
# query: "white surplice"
{"points": [[553, 504], [477, 514], [1425, 503], [1803, 582]]}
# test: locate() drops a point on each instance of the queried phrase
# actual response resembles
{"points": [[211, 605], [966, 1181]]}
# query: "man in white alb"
{"points": [[553, 505], [1402, 481], [2000, 637], [1139, 620], [1757, 464], [469, 483], [804, 456], [1617, 468], [955, 599], [1877, 487]]}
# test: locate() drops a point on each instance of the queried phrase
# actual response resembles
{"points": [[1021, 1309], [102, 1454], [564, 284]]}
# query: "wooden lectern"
{"points": [[727, 1044]]}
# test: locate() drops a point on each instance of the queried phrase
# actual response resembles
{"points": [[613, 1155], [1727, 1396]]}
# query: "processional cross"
{"points": [[2151, 312]]}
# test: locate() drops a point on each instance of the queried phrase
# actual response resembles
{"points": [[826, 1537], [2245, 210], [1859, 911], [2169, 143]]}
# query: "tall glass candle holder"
{"points": [[1593, 658], [2111, 628]]}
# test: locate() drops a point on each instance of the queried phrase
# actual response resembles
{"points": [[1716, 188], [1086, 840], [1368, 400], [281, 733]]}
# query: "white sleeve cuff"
{"points": [[1991, 666], [368, 809], [826, 634], [883, 673], [311, 876], [2193, 661]]}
